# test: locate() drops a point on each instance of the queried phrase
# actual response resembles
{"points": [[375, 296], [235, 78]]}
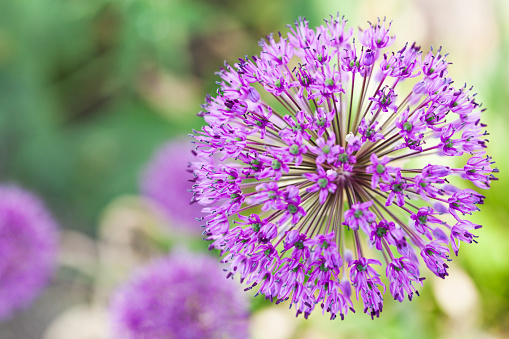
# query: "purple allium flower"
{"points": [[323, 171], [401, 273], [384, 100], [180, 296], [396, 186], [28, 248], [161, 182], [366, 280], [324, 182], [379, 170], [385, 231], [359, 215]]}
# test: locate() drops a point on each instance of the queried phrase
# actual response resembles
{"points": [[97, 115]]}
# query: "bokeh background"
{"points": [[89, 89]]}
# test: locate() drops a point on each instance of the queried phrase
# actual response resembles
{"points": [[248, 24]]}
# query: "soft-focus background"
{"points": [[89, 89]]}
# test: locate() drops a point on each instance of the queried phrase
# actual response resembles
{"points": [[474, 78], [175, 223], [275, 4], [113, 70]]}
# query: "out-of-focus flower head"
{"points": [[165, 181], [28, 248], [313, 133], [181, 296]]}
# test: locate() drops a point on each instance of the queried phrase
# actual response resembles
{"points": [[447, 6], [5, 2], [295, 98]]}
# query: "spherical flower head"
{"points": [[318, 170], [28, 248], [165, 181], [180, 296]]}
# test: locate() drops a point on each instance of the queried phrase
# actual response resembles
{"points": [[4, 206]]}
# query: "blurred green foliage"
{"points": [[75, 122]]}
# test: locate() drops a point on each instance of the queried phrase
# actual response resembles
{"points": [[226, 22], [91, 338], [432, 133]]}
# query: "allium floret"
{"points": [[317, 131]]}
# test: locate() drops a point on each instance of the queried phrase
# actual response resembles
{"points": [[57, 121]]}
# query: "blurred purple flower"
{"points": [[181, 296], [28, 248], [165, 182]]}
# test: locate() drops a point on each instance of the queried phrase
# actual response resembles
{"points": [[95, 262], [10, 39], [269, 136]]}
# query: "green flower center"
{"points": [[254, 164], [326, 149], [357, 214], [256, 227], [381, 232], [343, 158], [407, 126], [299, 244], [380, 169], [323, 182], [323, 268], [276, 164], [329, 82], [397, 187], [422, 219], [294, 149], [292, 209]]}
